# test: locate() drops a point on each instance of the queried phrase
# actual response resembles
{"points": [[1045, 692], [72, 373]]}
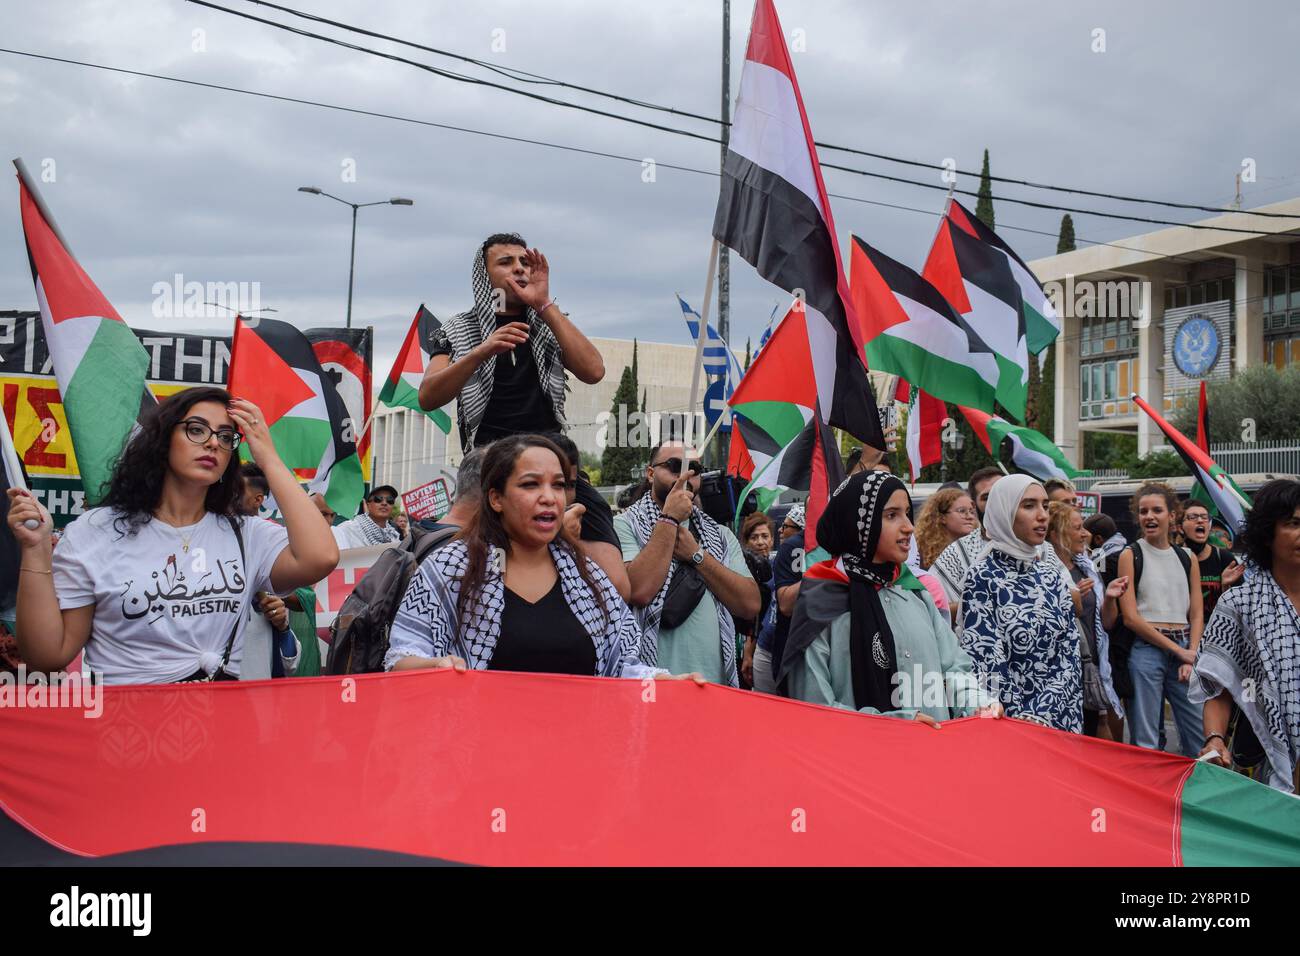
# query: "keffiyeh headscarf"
{"points": [[850, 528], [796, 515], [1000, 517], [642, 517], [469, 330]]}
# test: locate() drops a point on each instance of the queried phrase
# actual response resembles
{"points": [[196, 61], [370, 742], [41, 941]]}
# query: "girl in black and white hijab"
{"points": [[866, 634], [1250, 652]]}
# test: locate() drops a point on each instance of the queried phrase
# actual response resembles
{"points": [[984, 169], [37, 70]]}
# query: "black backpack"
{"points": [[359, 634]]}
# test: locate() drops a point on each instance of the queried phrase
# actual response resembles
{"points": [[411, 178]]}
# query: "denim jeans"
{"points": [[1155, 680]]}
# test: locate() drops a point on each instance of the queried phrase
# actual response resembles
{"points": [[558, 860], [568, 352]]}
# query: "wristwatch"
{"points": [[698, 557]]}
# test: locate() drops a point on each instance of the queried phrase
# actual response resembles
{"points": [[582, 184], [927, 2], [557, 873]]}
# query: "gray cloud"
{"points": [[156, 178]]}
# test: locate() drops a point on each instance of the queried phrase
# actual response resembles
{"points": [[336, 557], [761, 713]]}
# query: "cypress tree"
{"points": [[619, 457], [984, 206], [1065, 242]]}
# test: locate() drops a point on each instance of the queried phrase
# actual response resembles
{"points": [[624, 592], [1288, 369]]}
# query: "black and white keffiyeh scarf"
{"points": [[426, 624], [376, 534], [642, 518], [1251, 648], [467, 331]]}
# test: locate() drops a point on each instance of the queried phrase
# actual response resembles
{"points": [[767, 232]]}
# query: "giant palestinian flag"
{"points": [[978, 283], [1031, 451], [500, 768], [273, 366], [402, 390], [1042, 324], [773, 210], [913, 332], [99, 363], [1231, 501]]}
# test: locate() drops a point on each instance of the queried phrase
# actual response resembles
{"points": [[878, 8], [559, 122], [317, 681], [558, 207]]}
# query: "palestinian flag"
{"points": [[550, 792], [1198, 492], [1032, 452], [739, 462], [977, 281], [99, 363], [925, 415], [913, 332], [274, 367], [777, 468], [1231, 501], [773, 210], [1042, 324], [402, 390]]}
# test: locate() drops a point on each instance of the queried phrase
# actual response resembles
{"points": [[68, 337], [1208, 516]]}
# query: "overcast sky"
{"points": [[154, 178]]}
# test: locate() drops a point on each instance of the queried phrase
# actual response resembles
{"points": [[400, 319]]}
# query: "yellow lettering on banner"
{"points": [[29, 402]]}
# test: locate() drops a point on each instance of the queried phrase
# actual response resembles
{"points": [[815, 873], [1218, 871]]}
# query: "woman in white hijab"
{"points": [[1017, 615]]}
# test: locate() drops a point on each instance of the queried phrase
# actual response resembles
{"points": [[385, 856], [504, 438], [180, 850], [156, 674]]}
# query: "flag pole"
{"points": [[25, 177], [703, 333]]}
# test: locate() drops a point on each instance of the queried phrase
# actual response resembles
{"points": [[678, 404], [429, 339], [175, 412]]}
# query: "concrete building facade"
{"points": [[1158, 313]]}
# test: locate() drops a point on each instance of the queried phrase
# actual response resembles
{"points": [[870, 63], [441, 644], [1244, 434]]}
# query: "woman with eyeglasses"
{"points": [[155, 584], [948, 514], [373, 526]]}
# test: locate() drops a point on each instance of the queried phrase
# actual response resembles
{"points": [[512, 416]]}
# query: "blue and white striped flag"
{"points": [[767, 332], [718, 359]]}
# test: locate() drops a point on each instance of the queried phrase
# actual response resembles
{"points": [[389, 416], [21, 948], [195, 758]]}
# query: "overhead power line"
{"points": [[504, 136], [534, 78]]}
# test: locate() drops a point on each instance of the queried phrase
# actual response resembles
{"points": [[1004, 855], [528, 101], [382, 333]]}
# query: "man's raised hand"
{"points": [[680, 500], [537, 293]]}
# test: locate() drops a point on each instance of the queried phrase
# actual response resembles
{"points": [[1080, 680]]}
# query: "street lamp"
{"points": [[317, 191]]}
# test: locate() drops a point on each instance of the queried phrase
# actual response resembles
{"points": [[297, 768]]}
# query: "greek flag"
{"points": [[718, 359]]}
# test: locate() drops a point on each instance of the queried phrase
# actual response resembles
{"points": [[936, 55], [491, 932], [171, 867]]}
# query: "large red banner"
{"points": [[502, 768]]}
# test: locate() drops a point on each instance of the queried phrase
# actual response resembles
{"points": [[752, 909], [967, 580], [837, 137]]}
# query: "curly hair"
{"points": [[931, 535], [484, 531], [1160, 488], [1059, 517], [1276, 501], [135, 488]]}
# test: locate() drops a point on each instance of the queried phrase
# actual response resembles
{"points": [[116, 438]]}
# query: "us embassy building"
{"points": [[1159, 313]]}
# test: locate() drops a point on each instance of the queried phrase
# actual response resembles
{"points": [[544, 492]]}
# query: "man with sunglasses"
{"points": [[372, 526], [1219, 569], [687, 573]]}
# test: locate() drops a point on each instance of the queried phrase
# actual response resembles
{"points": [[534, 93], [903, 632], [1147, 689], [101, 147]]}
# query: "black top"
{"points": [[598, 521], [1088, 619], [519, 404], [1212, 569], [786, 570], [543, 638]]}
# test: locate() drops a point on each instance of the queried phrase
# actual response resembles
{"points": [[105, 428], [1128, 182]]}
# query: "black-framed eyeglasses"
{"points": [[675, 465], [382, 499], [199, 431]]}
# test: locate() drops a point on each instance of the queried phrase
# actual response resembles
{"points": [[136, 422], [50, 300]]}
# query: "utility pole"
{"points": [[724, 254]]}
